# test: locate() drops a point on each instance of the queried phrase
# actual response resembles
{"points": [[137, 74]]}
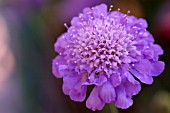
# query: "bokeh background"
{"points": [[28, 31]]}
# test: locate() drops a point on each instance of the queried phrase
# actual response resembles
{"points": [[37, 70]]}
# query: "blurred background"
{"points": [[28, 31]]}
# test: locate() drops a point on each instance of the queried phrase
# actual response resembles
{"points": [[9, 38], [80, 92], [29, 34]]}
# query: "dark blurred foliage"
{"points": [[34, 26]]}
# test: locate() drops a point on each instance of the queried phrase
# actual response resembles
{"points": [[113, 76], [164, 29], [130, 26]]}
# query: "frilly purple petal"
{"points": [[94, 102], [69, 82], [147, 79], [122, 100], [61, 43], [55, 66], [78, 93], [98, 10], [143, 67], [107, 92], [115, 79], [132, 86], [157, 68], [72, 85], [63, 70], [157, 49], [141, 23]]}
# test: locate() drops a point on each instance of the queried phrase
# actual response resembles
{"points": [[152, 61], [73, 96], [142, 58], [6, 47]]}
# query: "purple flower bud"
{"points": [[110, 50]]}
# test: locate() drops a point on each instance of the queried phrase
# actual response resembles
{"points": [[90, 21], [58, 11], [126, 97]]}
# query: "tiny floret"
{"points": [[111, 51]]}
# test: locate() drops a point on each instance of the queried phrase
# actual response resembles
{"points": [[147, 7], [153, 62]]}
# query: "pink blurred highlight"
{"points": [[7, 61], [162, 25]]}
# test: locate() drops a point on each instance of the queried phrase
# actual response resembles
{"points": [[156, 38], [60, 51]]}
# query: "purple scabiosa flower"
{"points": [[111, 51]]}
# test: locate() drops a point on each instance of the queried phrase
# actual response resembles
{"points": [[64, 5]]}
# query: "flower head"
{"points": [[110, 50]]}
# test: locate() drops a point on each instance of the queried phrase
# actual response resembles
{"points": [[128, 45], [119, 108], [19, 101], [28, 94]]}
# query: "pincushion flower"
{"points": [[111, 51]]}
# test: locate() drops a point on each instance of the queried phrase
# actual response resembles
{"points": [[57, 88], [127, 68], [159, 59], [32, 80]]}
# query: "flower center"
{"points": [[102, 44]]}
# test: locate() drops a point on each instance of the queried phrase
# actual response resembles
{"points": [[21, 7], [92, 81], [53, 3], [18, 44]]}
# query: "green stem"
{"points": [[113, 109]]}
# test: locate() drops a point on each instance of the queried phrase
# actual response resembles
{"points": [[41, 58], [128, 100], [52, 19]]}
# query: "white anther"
{"points": [[128, 12], [65, 25], [110, 9]]}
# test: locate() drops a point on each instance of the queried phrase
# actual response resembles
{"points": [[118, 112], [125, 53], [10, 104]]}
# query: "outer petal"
{"points": [[122, 101], [142, 77], [157, 68], [107, 92], [153, 52], [56, 62], [141, 23], [131, 85], [63, 70], [78, 93], [69, 82], [141, 44], [132, 89], [143, 66], [142, 71], [100, 9], [115, 79], [94, 102], [72, 86], [61, 43], [117, 15], [130, 78], [158, 50], [148, 54], [147, 36], [75, 21], [86, 10]]}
